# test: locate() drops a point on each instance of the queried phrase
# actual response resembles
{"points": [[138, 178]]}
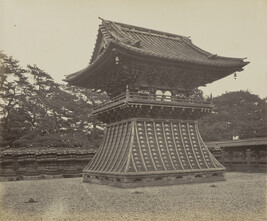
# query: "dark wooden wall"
{"points": [[243, 159]]}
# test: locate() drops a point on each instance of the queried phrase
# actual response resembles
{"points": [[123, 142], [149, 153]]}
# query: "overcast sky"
{"points": [[59, 35]]}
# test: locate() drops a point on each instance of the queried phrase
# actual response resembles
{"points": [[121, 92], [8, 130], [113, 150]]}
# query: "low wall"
{"points": [[40, 164], [55, 163], [245, 160]]}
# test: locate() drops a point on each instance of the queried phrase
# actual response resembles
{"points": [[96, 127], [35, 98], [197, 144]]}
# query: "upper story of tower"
{"points": [[149, 60], [140, 67]]}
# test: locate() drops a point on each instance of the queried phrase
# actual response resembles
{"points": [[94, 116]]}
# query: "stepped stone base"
{"points": [[157, 180], [149, 152]]}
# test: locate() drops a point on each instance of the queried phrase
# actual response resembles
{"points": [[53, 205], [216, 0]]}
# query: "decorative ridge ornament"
{"points": [[117, 33]]}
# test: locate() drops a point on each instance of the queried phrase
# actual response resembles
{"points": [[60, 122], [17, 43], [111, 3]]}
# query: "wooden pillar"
{"points": [[248, 153], [223, 156], [127, 93]]}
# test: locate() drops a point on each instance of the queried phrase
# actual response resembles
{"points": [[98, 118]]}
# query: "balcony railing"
{"points": [[152, 99]]}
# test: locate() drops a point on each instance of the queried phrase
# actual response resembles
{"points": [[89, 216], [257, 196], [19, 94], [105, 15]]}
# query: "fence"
{"points": [[40, 164], [248, 155], [245, 156]]}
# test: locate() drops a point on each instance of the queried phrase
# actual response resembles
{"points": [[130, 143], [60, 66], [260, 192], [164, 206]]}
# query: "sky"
{"points": [[59, 35]]}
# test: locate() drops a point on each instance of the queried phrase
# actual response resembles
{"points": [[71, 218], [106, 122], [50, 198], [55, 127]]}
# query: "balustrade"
{"points": [[155, 98]]}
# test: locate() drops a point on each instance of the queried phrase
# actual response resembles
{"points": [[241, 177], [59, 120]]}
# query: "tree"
{"points": [[36, 111], [86, 96], [235, 114], [13, 86], [54, 113]]}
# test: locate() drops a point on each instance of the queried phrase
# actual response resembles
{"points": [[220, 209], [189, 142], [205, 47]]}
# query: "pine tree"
{"points": [[235, 114], [14, 118]]}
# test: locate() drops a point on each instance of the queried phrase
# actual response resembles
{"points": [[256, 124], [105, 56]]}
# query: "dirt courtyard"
{"points": [[240, 197]]}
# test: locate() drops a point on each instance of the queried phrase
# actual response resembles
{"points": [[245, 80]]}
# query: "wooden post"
{"points": [[248, 153], [223, 156], [127, 93]]}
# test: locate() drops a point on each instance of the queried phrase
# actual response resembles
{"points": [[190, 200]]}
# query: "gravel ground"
{"points": [[241, 197]]}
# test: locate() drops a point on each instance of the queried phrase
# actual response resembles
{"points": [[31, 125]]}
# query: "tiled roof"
{"points": [[235, 143], [160, 44], [151, 44]]}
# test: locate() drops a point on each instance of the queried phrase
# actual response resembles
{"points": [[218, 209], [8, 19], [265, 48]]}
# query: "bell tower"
{"points": [[152, 135]]}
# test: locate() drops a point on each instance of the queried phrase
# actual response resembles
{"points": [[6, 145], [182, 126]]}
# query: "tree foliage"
{"points": [[36, 111], [13, 87], [235, 114]]}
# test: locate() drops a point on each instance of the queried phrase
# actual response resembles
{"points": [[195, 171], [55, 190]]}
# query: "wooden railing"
{"points": [[112, 101], [160, 99]]}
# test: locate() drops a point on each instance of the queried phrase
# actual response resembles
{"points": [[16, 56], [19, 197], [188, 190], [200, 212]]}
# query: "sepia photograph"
{"points": [[133, 110]]}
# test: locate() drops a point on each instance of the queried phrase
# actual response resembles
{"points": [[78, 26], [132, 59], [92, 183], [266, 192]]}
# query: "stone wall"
{"points": [[56, 163], [40, 164]]}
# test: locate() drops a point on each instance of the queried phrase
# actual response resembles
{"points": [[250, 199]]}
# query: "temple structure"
{"points": [[152, 135]]}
